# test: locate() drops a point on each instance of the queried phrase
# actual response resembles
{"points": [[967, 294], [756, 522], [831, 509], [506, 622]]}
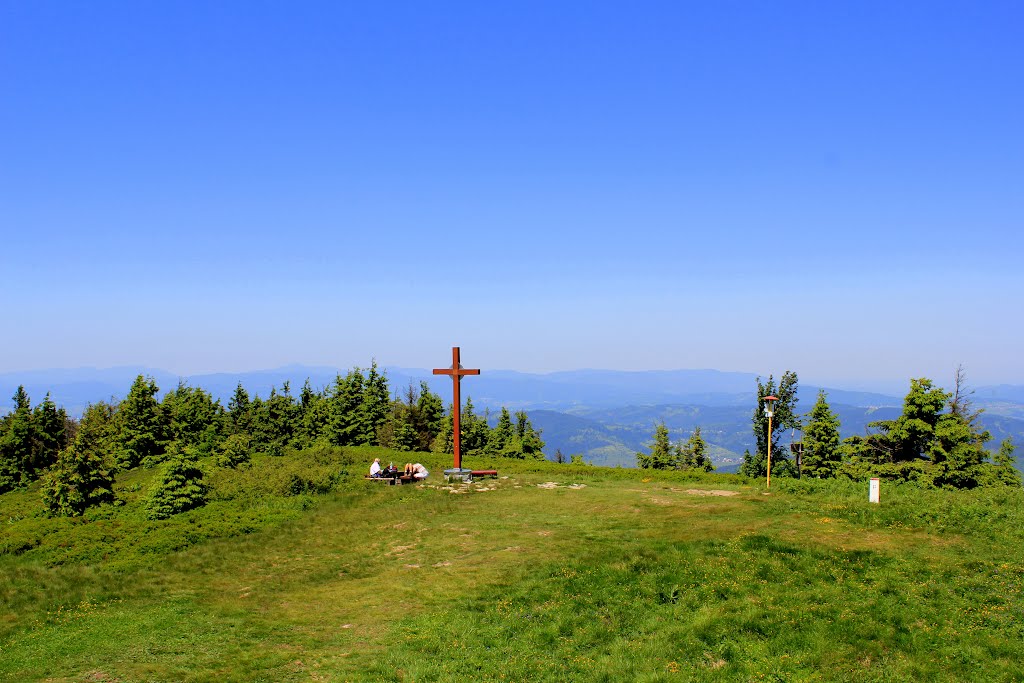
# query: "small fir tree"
{"points": [[179, 488], [1002, 469], [234, 451], [527, 440], [693, 455], [430, 417], [502, 434], [140, 433], [661, 456], [821, 457], [16, 444], [239, 411], [79, 480], [444, 441]]}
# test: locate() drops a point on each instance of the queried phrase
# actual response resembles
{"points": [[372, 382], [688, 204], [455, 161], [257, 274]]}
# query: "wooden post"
{"points": [[457, 372]]}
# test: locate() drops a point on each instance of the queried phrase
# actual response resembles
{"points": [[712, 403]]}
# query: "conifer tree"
{"points": [[529, 442], [404, 437], [430, 416], [502, 434], [16, 452], [1002, 470], [240, 411], [376, 403], [49, 425], [83, 474], [444, 441], [748, 468], [693, 454], [234, 451], [313, 416], [193, 418], [179, 488], [347, 424], [140, 434], [474, 430], [821, 457], [273, 422], [79, 479], [661, 456]]}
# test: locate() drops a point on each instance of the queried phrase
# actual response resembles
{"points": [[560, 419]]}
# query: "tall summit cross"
{"points": [[457, 372]]}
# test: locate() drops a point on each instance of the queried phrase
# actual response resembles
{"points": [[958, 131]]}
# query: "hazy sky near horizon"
{"points": [[833, 188]]}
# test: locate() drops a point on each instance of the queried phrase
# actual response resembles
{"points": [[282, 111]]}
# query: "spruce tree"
{"points": [[79, 479], [430, 416], [661, 456], [179, 487], [502, 434], [475, 431], [375, 406], [240, 411], [193, 418], [234, 451], [49, 424], [16, 444], [347, 425], [821, 457], [313, 416], [527, 439], [1002, 470], [140, 431], [444, 441], [694, 454]]}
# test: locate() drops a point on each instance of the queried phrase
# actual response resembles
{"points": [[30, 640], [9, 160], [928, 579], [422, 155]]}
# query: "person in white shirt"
{"points": [[375, 468], [417, 470]]}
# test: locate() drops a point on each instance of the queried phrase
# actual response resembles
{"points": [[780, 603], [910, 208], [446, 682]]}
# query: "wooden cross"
{"points": [[457, 372]]}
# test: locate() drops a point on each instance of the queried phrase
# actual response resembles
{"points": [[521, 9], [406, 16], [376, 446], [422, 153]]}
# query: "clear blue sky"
{"points": [[834, 188]]}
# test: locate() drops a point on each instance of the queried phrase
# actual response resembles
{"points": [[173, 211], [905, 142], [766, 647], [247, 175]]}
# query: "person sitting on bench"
{"points": [[416, 470], [375, 468]]}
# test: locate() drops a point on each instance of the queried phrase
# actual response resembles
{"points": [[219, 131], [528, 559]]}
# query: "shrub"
{"points": [[180, 487], [235, 451], [77, 481]]}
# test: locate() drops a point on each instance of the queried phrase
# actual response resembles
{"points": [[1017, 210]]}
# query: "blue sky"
{"points": [[833, 188]]}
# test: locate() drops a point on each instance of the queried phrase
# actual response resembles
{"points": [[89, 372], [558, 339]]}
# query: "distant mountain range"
{"points": [[605, 415]]}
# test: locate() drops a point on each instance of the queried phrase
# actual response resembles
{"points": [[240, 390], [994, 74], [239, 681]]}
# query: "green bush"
{"points": [[77, 481], [234, 452], [179, 488]]}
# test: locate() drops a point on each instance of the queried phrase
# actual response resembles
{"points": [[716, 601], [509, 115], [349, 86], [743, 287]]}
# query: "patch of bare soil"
{"points": [[710, 492]]}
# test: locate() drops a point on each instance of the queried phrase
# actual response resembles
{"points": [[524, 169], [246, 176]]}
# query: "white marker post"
{"points": [[873, 491]]}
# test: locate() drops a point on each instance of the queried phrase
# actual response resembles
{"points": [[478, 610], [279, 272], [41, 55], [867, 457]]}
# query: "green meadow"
{"points": [[299, 570]]}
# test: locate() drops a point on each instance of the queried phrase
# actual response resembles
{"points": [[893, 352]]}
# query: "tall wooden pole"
{"points": [[769, 449], [457, 372], [457, 436]]}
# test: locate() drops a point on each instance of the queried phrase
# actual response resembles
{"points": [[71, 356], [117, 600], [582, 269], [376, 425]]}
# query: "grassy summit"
{"points": [[298, 570]]}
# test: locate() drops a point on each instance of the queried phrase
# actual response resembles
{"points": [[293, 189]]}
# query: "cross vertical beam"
{"points": [[457, 372]]}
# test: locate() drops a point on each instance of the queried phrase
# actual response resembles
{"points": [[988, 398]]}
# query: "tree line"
{"points": [[77, 459], [689, 455], [937, 440]]}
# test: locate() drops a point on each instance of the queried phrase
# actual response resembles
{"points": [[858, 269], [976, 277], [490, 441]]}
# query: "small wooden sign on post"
{"points": [[873, 490]]}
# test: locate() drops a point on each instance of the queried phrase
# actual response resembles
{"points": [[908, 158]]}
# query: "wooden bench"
{"points": [[485, 473]]}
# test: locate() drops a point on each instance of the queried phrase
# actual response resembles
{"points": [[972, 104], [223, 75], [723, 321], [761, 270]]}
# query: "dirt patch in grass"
{"points": [[709, 492]]}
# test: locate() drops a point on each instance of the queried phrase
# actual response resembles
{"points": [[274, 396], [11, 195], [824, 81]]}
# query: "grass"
{"points": [[613, 574]]}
